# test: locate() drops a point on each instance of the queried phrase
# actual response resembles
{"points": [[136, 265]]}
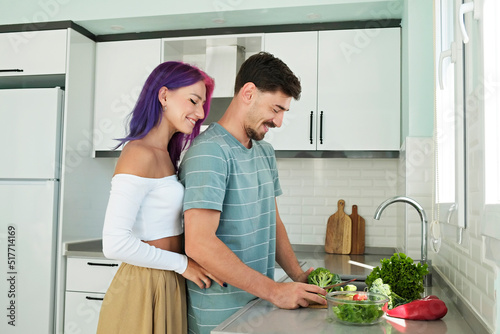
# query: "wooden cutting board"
{"points": [[358, 232], [338, 231], [314, 305]]}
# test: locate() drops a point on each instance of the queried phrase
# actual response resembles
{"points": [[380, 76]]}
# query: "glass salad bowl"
{"points": [[355, 307]]}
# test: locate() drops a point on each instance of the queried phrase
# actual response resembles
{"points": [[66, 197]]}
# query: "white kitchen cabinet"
{"points": [[87, 280], [298, 131], [354, 104], [82, 312], [359, 89], [122, 68], [90, 274], [33, 52]]}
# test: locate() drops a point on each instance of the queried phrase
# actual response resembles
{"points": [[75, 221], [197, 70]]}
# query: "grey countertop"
{"points": [[260, 316], [85, 248]]}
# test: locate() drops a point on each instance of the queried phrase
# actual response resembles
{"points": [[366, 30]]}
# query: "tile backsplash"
{"points": [[416, 179], [312, 188]]}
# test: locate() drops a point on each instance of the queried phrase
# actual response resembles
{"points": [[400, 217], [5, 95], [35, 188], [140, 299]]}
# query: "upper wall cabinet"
{"points": [[298, 130], [122, 67], [350, 90], [33, 53]]}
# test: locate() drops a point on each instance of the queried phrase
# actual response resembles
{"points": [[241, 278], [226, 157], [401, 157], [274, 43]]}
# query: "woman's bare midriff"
{"points": [[173, 244]]}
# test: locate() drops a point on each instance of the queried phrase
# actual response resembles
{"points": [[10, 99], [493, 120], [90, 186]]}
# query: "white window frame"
{"points": [[491, 97], [450, 118]]}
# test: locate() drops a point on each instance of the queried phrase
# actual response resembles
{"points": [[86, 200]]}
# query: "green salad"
{"points": [[360, 314]]}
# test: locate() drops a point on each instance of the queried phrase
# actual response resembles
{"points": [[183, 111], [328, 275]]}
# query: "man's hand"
{"points": [[303, 277], [291, 295]]}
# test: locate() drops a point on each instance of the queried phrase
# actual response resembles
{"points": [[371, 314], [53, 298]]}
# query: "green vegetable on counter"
{"points": [[359, 314], [378, 286], [322, 277], [405, 278]]}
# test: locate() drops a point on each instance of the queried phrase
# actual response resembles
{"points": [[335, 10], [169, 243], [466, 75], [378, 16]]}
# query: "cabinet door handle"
{"points": [[102, 264], [12, 70], [94, 298], [321, 127], [311, 128]]}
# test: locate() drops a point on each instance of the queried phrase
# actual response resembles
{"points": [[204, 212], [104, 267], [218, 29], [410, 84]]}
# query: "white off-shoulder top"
{"points": [[146, 209]]}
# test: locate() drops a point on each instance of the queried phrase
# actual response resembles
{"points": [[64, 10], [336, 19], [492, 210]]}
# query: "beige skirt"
{"points": [[144, 300]]}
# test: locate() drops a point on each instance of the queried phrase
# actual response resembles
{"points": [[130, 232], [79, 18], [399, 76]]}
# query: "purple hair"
{"points": [[147, 112]]}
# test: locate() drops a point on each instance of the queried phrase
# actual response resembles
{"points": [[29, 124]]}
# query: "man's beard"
{"points": [[254, 135]]}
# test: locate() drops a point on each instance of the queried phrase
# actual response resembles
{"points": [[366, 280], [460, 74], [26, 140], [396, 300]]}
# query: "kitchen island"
{"points": [[260, 316]]}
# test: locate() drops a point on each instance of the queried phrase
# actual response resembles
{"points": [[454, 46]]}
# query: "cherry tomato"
{"points": [[359, 297]]}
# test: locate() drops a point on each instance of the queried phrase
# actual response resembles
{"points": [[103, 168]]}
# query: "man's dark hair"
{"points": [[269, 74]]}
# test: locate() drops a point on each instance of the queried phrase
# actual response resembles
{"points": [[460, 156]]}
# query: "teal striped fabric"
{"points": [[219, 173]]}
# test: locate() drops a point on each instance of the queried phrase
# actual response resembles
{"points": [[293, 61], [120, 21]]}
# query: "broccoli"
{"points": [[378, 286], [323, 277]]}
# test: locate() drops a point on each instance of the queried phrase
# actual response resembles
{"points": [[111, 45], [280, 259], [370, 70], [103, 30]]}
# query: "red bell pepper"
{"points": [[427, 308]]}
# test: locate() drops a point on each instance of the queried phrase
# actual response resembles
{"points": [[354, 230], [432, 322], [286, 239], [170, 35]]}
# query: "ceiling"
{"points": [[130, 16]]}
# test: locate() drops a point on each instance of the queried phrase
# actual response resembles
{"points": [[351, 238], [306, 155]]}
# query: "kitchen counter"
{"points": [[260, 316], [85, 248]]}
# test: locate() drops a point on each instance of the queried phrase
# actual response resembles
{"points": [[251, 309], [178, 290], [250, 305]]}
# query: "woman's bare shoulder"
{"points": [[136, 159]]}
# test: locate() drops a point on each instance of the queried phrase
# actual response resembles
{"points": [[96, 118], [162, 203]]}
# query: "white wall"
{"points": [[415, 181], [417, 69]]}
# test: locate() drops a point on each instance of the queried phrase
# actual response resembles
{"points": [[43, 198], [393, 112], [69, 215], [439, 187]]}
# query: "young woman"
{"points": [[143, 223]]}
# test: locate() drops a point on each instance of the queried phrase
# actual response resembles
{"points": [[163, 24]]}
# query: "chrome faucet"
{"points": [[423, 218]]}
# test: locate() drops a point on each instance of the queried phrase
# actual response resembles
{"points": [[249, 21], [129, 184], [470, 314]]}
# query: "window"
{"points": [[491, 98], [491, 56], [449, 118], [445, 104]]}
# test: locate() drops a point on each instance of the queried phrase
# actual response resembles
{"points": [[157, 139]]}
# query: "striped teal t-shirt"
{"points": [[219, 173]]}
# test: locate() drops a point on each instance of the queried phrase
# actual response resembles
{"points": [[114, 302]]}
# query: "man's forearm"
{"points": [[285, 255]]}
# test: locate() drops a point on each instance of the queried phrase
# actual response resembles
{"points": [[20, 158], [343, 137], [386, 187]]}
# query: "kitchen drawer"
{"points": [[90, 275], [81, 313]]}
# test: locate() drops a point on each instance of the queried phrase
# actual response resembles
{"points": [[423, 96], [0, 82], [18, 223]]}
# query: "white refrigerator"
{"points": [[30, 147]]}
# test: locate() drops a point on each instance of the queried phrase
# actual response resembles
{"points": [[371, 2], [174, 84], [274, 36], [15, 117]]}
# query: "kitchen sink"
{"points": [[360, 285], [359, 282], [280, 276]]}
